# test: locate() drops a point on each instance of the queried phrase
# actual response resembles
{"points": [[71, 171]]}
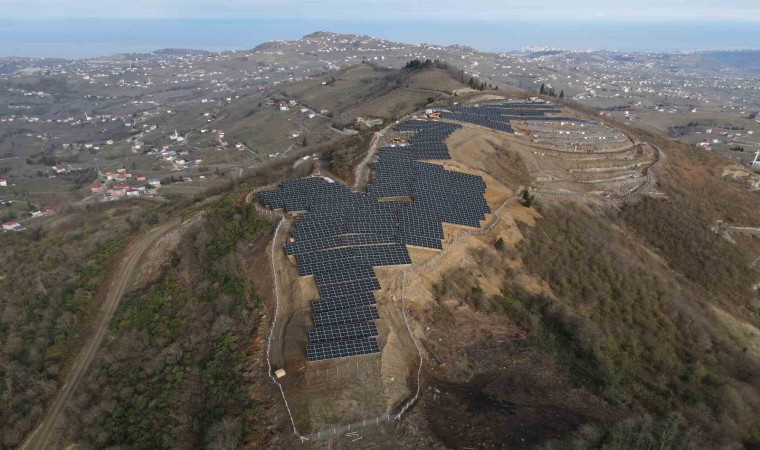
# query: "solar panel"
{"points": [[344, 258], [341, 332], [498, 115], [357, 272], [340, 316], [342, 349], [354, 300], [348, 288]]}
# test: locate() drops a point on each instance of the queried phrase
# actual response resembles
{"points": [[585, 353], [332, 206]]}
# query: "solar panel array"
{"points": [[343, 289], [345, 302], [341, 332], [343, 235], [300, 194], [342, 349], [497, 115], [350, 315]]}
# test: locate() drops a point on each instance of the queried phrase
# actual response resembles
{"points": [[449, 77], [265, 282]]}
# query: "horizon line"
{"points": [[552, 19]]}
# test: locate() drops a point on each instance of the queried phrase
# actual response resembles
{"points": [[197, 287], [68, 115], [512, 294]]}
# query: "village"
{"points": [[171, 153], [123, 126]]}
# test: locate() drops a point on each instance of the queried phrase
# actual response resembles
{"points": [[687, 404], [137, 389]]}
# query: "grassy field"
{"points": [[434, 80], [391, 105], [343, 89]]}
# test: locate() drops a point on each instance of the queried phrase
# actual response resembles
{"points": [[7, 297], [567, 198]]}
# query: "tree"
{"points": [[542, 91], [562, 94], [527, 199], [499, 244]]}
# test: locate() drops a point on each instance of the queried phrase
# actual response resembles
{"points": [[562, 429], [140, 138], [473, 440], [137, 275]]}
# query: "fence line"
{"points": [[351, 426], [274, 325]]}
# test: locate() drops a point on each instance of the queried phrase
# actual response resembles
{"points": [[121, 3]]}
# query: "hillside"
{"points": [[200, 139], [161, 114], [66, 263], [746, 60], [597, 304], [597, 320]]}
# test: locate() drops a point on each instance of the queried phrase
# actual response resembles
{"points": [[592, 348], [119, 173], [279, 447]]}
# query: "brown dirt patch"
{"points": [[158, 256], [335, 392]]}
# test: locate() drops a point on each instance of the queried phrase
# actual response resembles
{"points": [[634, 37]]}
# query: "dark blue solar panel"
{"points": [[342, 349]]}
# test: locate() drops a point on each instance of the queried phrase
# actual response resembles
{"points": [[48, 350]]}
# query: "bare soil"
{"points": [[481, 386], [329, 393], [529, 158]]}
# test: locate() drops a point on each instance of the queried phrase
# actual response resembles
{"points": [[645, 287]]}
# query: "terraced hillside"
{"points": [[566, 152], [589, 295], [555, 291]]}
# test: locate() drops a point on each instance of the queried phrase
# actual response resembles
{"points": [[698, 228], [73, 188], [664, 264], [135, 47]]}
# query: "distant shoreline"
{"points": [[90, 38]]}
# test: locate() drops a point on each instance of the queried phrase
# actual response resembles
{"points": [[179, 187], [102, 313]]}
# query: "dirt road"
{"points": [[41, 438], [361, 171]]}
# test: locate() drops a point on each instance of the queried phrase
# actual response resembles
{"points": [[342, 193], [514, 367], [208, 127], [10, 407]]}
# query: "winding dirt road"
{"points": [[41, 438]]}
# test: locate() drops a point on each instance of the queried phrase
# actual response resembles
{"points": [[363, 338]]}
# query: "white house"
{"points": [[3, 182]]}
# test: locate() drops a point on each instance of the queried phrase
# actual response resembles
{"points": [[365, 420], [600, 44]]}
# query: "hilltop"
{"points": [[588, 319], [705, 98], [608, 297]]}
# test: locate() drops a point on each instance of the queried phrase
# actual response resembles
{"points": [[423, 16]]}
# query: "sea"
{"points": [[86, 38]]}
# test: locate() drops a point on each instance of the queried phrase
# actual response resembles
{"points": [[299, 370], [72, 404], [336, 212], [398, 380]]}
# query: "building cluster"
{"points": [[123, 183]]}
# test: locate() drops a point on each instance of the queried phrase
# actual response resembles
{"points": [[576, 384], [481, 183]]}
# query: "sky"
{"points": [[392, 10]]}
